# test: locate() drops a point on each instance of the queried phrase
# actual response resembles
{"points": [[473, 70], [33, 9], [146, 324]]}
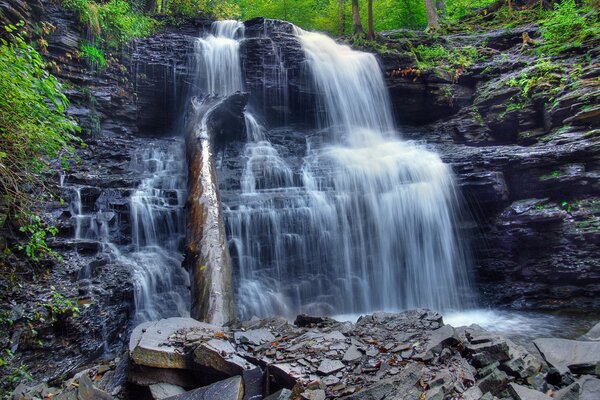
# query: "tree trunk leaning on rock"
{"points": [[358, 29], [433, 19], [371, 28]]}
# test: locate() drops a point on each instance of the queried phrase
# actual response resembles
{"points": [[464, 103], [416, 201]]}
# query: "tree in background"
{"points": [[341, 18], [358, 29], [433, 19], [371, 29]]}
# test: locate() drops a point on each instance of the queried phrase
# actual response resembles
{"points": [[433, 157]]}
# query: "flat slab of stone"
{"points": [[592, 334], [562, 353], [221, 356], [585, 388], [160, 391], [229, 389], [149, 343], [523, 393], [254, 337], [330, 366]]}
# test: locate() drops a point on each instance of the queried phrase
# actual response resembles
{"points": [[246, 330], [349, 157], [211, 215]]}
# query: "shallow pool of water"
{"points": [[520, 326]]}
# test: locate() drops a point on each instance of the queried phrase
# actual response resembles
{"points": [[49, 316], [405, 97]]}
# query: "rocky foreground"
{"points": [[409, 355]]}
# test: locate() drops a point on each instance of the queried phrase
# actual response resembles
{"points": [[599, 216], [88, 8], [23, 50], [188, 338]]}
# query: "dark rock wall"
{"points": [[272, 63], [528, 167]]}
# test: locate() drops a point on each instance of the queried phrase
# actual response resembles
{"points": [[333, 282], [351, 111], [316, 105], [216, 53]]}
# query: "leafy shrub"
{"points": [[438, 56], [37, 232], [458, 9], [568, 26], [110, 24], [93, 55], [119, 24], [34, 129]]}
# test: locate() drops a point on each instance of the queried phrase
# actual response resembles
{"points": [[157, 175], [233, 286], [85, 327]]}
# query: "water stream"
{"points": [[365, 222], [157, 230]]}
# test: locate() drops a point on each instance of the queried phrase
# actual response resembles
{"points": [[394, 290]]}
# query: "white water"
{"points": [[218, 57], [156, 213], [368, 222], [158, 232]]}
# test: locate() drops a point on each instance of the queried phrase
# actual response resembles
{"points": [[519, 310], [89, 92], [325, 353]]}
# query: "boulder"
{"points": [[586, 388], [254, 337], [160, 391], [593, 333], [563, 353], [524, 393], [229, 389], [283, 394], [442, 337], [149, 343], [221, 356]]}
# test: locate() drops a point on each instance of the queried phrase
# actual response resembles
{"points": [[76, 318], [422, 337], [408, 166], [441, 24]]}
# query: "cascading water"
{"points": [[367, 222], [156, 209], [218, 57], [158, 232]]}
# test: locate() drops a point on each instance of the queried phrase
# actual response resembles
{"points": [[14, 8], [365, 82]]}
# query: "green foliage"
{"points": [[438, 56], [545, 75], [567, 26], [61, 307], [37, 233], [322, 15], [110, 24], [93, 55], [34, 129], [12, 374], [192, 8], [119, 24], [457, 9]]}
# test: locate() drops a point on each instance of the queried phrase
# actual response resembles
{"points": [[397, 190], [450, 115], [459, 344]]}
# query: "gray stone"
{"points": [[149, 343], [316, 394], [522, 364], [586, 388], [283, 394], [253, 384], [437, 393], [352, 354], [562, 353], [494, 382], [221, 356], [524, 393], [442, 337], [229, 389], [486, 353], [330, 366], [473, 393], [592, 334], [87, 391], [255, 337], [160, 391], [285, 373]]}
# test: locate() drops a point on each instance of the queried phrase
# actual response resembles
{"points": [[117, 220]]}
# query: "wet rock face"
{"points": [[527, 165], [272, 64], [406, 355], [162, 71]]}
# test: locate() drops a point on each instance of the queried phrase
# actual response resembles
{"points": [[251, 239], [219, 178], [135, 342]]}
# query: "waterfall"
{"points": [[366, 221], [157, 221], [218, 57], [158, 231]]}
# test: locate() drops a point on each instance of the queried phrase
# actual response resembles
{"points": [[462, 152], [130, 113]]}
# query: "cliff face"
{"points": [[521, 132], [528, 167]]}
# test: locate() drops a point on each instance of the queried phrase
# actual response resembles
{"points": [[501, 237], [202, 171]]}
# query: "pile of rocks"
{"points": [[409, 355]]}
